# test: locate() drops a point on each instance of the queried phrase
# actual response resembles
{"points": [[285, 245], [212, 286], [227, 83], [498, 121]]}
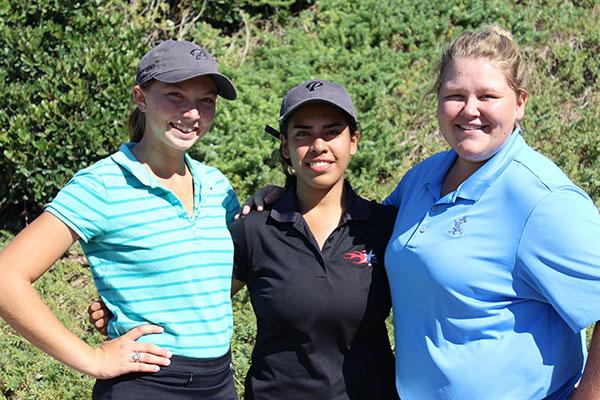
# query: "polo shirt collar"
{"points": [[474, 187], [125, 158], [288, 210]]}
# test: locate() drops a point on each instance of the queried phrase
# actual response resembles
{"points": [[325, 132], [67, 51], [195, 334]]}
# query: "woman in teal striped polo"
{"points": [[153, 225]]}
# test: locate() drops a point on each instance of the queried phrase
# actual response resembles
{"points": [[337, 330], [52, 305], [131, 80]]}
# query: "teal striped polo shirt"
{"points": [[152, 262]]}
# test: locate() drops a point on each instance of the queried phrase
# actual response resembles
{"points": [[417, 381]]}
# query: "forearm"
{"points": [[589, 386], [27, 257], [25, 311]]}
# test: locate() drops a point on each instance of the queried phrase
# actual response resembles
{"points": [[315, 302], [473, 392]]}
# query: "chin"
{"points": [[183, 144], [472, 152], [324, 184], [475, 157]]}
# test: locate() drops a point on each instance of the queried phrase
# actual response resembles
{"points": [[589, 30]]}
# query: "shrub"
{"points": [[68, 67]]}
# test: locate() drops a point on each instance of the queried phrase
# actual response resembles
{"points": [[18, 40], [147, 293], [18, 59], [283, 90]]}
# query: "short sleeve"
{"points": [[559, 255], [394, 199], [232, 205], [81, 205], [240, 255]]}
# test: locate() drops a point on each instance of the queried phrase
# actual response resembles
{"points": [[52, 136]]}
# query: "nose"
{"points": [[471, 107], [192, 112], [318, 146]]}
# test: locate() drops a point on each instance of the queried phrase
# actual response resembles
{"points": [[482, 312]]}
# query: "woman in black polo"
{"points": [[314, 264]]}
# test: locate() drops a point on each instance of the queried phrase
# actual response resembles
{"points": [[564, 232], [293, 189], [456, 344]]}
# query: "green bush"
{"points": [[68, 67]]}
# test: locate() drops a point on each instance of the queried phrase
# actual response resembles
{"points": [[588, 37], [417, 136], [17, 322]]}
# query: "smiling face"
{"points": [[477, 109], [319, 145], [177, 114]]}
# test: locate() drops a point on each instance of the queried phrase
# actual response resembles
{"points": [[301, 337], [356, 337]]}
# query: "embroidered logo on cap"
{"points": [[457, 229], [314, 85], [198, 53], [361, 257]]}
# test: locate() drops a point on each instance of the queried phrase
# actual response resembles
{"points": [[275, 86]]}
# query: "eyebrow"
{"points": [[335, 124], [178, 86]]}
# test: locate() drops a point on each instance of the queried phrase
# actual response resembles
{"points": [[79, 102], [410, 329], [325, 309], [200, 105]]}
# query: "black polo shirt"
{"points": [[321, 330]]}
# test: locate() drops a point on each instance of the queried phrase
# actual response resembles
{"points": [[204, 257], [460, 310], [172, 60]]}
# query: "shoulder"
{"points": [[417, 175], [99, 169], [203, 168], [382, 212], [252, 222], [94, 178], [381, 218], [537, 167], [532, 177], [208, 173], [423, 168]]}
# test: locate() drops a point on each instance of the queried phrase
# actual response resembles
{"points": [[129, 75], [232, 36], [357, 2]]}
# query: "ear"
{"points": [[354, 143], [285, 147], [139, 97], [521, 103]]}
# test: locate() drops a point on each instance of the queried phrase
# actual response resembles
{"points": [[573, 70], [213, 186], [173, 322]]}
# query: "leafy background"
{"points": [[68, 67]]}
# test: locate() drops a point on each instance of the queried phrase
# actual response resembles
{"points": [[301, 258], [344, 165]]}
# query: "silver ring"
{"points": [[135, 357]]}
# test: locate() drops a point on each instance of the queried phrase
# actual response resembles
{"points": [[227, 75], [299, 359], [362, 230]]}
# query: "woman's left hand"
{"points": [[124, 355]]}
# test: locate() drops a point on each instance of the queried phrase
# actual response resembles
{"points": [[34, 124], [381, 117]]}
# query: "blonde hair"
{"points": [[494, 43], [137, 120]]}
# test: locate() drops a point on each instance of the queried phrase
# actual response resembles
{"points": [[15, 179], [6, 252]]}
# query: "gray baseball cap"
{"points": [[177, 60], [315, 91]]}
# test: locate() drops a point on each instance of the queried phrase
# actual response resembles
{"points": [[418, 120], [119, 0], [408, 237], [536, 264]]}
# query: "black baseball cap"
{"points": [[178, 60], [309, 92]]}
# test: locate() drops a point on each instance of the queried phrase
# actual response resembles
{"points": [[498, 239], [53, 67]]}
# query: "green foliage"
{"points": [[68, 66]]}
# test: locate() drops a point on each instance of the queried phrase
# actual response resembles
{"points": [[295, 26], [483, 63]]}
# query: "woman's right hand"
{"points": [[264, 196], [124, 354]]}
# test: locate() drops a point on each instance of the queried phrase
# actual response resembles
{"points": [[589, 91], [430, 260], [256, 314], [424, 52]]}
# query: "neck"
{"points": [[460, 171], [330, 200], [163, 163]]}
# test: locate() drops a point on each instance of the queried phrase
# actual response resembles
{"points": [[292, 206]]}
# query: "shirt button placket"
{"points": [[327, 243]]}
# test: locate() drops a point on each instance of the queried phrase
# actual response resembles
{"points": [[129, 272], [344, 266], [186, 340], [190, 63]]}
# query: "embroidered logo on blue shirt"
{"points": [[457, 229], [361, 257]]}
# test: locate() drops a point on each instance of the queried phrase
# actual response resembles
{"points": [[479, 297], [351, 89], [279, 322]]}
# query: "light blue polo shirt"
{"points": [[492, 283], [152, 262]]}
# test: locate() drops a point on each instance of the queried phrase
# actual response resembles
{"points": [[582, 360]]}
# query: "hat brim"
{"points": [[314, 100], [272, 131], [225, 87]]}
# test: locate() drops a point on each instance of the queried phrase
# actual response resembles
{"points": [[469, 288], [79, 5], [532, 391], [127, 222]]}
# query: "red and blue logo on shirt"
{"points": [[361, 257]]}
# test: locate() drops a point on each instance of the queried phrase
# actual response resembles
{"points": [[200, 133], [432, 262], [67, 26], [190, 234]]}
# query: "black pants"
{"points": [[185, 379]]}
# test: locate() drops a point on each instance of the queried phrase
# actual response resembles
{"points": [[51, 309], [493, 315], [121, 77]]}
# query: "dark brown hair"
{"points": [[137, 119]]}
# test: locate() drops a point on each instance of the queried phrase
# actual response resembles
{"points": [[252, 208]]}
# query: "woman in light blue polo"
{"points": [[494, 263], [153, 225]]}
